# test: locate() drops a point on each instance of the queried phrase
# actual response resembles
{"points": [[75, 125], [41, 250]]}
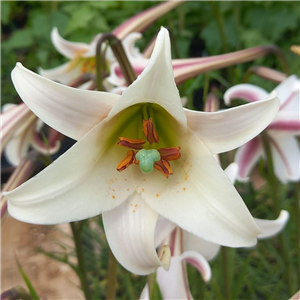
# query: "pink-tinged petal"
{"points": [[247, 92], [289, 94], [226, 130], [141, 21], [199, 197], [156, 83], [129, 229], [286, 157], [162, 229], [67, 48], [15, 119], [271, 228], [63, 74], [18, 147], [285, 122], [246, 157], [268, 73], [70, 111], [193, 243], [206, 64], [81, 183]]}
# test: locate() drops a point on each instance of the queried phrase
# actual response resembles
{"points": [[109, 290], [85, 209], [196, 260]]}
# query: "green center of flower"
{"points": [[147, 158], [144, 153]]}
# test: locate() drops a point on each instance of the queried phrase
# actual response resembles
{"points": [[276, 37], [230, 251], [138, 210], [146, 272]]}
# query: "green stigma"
{"points": [[147, 158]]}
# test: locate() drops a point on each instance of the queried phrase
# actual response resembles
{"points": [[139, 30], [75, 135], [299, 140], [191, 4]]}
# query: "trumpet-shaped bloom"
{"points": [[120, 140], [186, 247], [20, 132], [282, 131]]}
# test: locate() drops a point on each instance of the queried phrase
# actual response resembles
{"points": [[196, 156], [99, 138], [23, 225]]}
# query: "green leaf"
{"points": [[5, 11], [20, 39], [80, 19], [27, 281]]}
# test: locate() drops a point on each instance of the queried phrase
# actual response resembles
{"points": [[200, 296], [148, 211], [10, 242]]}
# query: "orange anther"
{"points": [[164, 167], [136, 144], [171, 153], [127, 161], [149, 131]]}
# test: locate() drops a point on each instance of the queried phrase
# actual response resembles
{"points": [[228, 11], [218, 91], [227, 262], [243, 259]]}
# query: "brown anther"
{"points": [[164, 167], [171, 153], [127, 161], [149, 131], [136, 144]]}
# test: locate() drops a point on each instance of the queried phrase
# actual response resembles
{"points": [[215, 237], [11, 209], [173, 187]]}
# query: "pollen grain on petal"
{"points": [[127, 161], [136, 144], [149, 131]]}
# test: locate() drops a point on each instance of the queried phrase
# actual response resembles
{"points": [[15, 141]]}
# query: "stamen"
{"points": [[172, 153], [127, 161], [164, 167], [149, 131], [146, 159], [136, 144]]}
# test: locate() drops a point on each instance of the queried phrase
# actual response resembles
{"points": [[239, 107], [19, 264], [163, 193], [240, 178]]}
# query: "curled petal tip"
{"points": [[164, 256]]}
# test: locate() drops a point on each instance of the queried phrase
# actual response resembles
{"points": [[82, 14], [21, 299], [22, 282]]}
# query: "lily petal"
{"points": [[67, 48], [155, 85], [219, 130], [207, 249], [130, 233], [271, 228], [286, 158], [247, 156], [80, 184], [199, 197], [70, 111], [285, 122], [162, 229], [247, 92], [63, 74], [141, 21], [289, 93]]}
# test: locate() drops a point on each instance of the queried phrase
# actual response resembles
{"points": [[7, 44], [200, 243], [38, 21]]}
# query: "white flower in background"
{"points": [[98, 175], [187, 248], [281, 132]]}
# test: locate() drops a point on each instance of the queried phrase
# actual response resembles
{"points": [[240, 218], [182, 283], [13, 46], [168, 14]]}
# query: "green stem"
{"points": [[225, 270], [81, 262], [274, 186], [151, 285], [112, 276], [206, 88]]}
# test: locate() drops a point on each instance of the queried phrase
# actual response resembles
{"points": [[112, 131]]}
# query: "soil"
{"points": [[50, 278]]}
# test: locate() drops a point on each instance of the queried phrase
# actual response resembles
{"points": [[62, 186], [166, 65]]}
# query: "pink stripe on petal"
{"points": [[199, 267], [289, 99], [285, 126], [247, 154]]}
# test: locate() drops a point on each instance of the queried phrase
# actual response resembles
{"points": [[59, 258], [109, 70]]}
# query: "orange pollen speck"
{"points": [[157, 195], [149, 131]]}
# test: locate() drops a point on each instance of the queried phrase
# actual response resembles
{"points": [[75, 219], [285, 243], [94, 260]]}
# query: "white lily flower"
{"points": [[188, 187], [20, 132], [282, 131], [82, 55], [186, 247]]}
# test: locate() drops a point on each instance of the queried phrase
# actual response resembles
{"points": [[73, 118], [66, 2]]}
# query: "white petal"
{"points": [[66, 48], [199, 197], [18, 146], [231, 171], [162, 229], [129, 230], [286, 123], [286, 158], [248, 92], [207, 249], [174, 283], [128, 45], [156, 84], [289, 93], [80, 184], [271, 228], [247, 156], [63, 74], [225, 130], [70, 111]]}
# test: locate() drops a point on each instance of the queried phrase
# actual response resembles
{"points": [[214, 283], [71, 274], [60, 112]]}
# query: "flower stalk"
{"points": [[112, 276], [266, 73]]}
